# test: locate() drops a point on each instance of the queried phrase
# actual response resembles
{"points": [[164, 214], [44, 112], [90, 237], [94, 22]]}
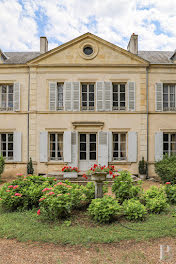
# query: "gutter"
{"points": [[147, 99], [28, 115]]}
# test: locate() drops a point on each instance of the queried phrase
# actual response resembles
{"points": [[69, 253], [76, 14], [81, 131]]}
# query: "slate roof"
{"points": [[154, 57]]}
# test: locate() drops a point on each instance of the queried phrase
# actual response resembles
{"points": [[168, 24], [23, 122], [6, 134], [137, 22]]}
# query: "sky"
{"points": [[22, 22]]}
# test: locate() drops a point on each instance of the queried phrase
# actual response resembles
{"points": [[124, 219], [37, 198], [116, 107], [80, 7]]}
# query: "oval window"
{"points": [[88, 50]]}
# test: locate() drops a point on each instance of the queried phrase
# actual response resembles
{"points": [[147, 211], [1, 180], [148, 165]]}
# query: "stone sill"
{"points": [[121, 163], [56, 163]]}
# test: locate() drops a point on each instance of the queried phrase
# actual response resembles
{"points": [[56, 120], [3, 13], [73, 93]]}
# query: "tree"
{"points": [[30, 169]]}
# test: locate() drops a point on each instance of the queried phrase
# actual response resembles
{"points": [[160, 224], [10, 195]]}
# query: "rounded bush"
{"points": [[104, 209], [171, 193], [166, 169], [134, 210], [156, 205]]}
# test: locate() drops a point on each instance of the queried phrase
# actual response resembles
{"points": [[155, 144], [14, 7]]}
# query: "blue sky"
{"points": [[22, 22]]}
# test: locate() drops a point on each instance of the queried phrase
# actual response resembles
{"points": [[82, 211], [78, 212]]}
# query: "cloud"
{"points": [[24, 21]]}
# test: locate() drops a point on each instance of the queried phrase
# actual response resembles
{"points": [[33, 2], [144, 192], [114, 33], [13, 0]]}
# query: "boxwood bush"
{"points": [[171, 193], [134, 210], [166, 169]]}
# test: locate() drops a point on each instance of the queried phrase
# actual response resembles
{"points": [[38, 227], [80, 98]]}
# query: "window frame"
{"points": [[88, 92], [7, 108], [56, 144], [169, 108], [119, 148], [169, 142], [7, 148], [118, 108]]}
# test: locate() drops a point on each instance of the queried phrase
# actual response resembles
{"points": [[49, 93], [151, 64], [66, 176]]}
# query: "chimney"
{"points": [[43, 45], [133, 44]]}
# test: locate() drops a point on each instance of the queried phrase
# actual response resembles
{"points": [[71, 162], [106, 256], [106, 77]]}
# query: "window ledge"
{"points": [[120, 163], [56, 162]]}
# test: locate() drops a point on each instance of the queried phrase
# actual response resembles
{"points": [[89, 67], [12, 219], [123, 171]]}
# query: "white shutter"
{"points": [[159, 97], [74, 149], [108, 96], [131, 96], [76, 96], [43, 146], [132, 146], [16, 97], [158, 146], [17, 146], [109, 146], [52, 95], [103, 148], [67, 146], [99, 97], [68, 96]]}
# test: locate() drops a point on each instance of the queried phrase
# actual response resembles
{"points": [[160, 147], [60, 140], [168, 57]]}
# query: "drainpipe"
{"points": [[28, 115], [147, 99]]}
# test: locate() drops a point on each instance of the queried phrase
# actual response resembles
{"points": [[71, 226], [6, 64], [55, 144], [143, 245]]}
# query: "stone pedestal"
{"points": [[98, 178]]}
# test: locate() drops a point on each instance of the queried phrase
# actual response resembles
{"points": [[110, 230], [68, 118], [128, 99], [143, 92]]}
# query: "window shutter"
{"points": [[52, 95], [109, 146], [17, 146], [108, 96], [131, 96], [99, 93], [103, 148], [158, 146], [76, 96], [74, 149], [43, 146], [68, 96], [132, 146], [159, 97], [16, 97], [67, 146]]}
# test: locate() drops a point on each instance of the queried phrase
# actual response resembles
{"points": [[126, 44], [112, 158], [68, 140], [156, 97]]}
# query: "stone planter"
{"points": [[142, 176], [98, 178], [70, 175]]}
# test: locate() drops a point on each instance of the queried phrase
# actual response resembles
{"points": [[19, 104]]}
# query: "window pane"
{"points": [[92, 137], [123, 137], [3, 137], [91, 88], [115, 154], [115, 97], [165, 137], [84, 97], [82, 155], [115, 87], [122, 96], [83, 137], [165, 89], [4, 89], [52, 137], [52, 146], [165, 146], [115, 137], [91, 97], [10, 137], [165, 97], [10, 146], [82, 146], [122, 88], [92, 156], [84, 88], [173, 137], [92, 146], [3, 146], [10, 155], [115, 146], [10, 88]]}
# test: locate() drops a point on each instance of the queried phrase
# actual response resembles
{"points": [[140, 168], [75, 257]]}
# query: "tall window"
{"points": [[118, 96], [6, 145], [6, 97], [56, 146], [88, 96], [119, 146], [169, 97], [169, 143], [59, 105]]}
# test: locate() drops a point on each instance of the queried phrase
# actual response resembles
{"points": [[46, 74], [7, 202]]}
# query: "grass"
{"points": [[27, 226]]}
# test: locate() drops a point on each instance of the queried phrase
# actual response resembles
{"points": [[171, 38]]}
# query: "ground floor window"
{"points": [[6, 145], [169, 143], [119, 146], [87, 146], [56, 146]]}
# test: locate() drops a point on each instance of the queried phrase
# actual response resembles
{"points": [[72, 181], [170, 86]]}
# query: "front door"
{"points": [[87, 150]]}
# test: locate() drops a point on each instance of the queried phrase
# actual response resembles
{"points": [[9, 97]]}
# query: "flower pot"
{"points": [[70, 175], [142, 176], [98, 176]]}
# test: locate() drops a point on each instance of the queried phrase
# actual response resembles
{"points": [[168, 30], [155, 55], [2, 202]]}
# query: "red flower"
{"points": [[113, 176], [110, 172], [8, 191], [55, 180], [10, 186], [16, 186], [19, 174], [47, 189], [50, 193], [168, 183], [18, 194], [41, 199], [38, 212]]}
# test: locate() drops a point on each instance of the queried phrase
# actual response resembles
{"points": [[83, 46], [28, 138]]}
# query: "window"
{"points": [[6, 145], [118, 96], [6, 97], [88, 96], [56, 146], [169, 97], [59, 105], [119, 146], [88, 146], [169, 143], [88, 50]]}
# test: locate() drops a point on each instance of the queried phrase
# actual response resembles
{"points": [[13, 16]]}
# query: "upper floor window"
{"points": [[59, 101], [6, 97], [169, 97], [118, 96], [119, 146], [87, 96], [169, 143], [56, 146], [6, 145]]}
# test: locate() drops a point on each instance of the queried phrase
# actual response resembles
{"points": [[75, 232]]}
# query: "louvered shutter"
{"points": [[76, 96], [99, 97], [52, 95], [132, 146], [74, 149], [103, 148], [131, 96], [158, 146], [16, 97], [107, 96], [17, 146], [43, 146], [109, 146], [159, 97], [67, 96], [67, 146]]}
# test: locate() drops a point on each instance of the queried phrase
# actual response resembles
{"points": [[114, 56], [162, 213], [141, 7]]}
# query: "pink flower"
{"points": [[41, 199], [0, 198], [59, 194], [8, 191], [168, 183], [47, 189], [19, 174], [50, 193], [10, 186], [59, 183], [55, 180], [38, 212], [18, 194], [16, 186]]}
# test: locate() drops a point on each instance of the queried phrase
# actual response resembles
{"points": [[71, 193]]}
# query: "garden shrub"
{"points": [[156, 205], [153, 192], [166, 169], [30, 169], [170, 192], [125, 188], [134, 210], [89, 191], [104, 209], [2, 165]]}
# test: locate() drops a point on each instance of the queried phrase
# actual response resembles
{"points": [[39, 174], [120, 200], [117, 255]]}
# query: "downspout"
{"points": [[147, 99], [28, 115]]}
